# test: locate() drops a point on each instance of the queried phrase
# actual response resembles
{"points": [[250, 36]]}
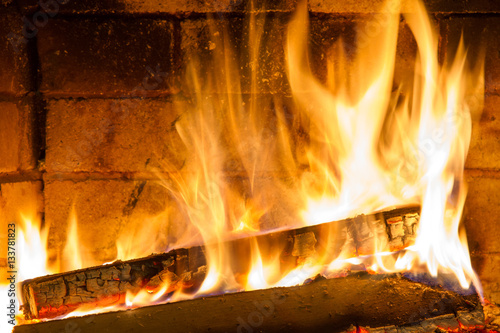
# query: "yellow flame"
{"points": [[72, 253], [30, 258], [370, 144], [32, 248], [347, 175], [144, 297], [433, 120], [262, 272]]}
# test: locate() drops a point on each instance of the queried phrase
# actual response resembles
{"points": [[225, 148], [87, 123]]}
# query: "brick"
{"points": [[278, 200], [17, 136], [105, 57], [406, 52], [227, 6], [145, 213], [268, 139], [370, 6], [142, 135], [487, 267], [106, 210], [479, 33], [112, 135], [432, 6], [482, 209], [483, 6], [203, 40], [326, 32], [169, 7], [15, 199], [484, 150], [14, 64]]}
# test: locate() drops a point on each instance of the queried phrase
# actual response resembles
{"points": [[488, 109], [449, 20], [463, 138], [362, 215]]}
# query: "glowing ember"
{"points": [[367, 150]]}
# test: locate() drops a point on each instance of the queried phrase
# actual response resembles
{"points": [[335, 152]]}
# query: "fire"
{"points": [[72, 253], [370, 146], [31, 243], [427, 133]]}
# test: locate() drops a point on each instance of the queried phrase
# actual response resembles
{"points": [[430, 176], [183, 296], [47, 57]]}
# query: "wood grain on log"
{"points": [[56, 295], [324, 305]]}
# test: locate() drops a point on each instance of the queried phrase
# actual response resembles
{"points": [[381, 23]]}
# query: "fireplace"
{"points": [[113, 112]]}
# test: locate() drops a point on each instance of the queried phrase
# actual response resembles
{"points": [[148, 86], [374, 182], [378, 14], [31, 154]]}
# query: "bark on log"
{"points": [[331, 305], [56, 295]]}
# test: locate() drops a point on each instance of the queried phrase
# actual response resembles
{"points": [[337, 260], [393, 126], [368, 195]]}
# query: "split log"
{"points": [[324, 305], [459, 322], [55, 295]]}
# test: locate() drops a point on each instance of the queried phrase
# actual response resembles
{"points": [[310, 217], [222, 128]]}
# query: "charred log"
{"points": [[56, 295], [324, 305]]}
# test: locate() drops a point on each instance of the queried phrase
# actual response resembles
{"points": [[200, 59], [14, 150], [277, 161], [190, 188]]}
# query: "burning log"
{"points": [[323, 305], [56, 295]]}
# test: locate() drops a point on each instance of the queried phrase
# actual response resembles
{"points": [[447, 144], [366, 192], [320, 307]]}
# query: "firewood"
{"points": [[324, 305], [56, 295]]}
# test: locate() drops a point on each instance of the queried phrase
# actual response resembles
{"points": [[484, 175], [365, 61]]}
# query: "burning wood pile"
{"points": [[326, 305], [185, 269], [374, 242], [352, 295]]}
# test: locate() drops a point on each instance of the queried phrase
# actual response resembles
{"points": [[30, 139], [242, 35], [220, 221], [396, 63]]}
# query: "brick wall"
{"points": [[86, 107]]}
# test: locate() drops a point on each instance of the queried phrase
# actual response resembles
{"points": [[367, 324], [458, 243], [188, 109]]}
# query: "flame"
{"points": [[371, 145], [144, 297], [263, 272], [440, 243], [143, 238], [32, 243], [348, 175], [433, 118], [31, 238], [72, 257]]}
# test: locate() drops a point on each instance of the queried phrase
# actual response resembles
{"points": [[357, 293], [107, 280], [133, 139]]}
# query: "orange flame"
{"points": [[370, 146], [351, 120]]}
